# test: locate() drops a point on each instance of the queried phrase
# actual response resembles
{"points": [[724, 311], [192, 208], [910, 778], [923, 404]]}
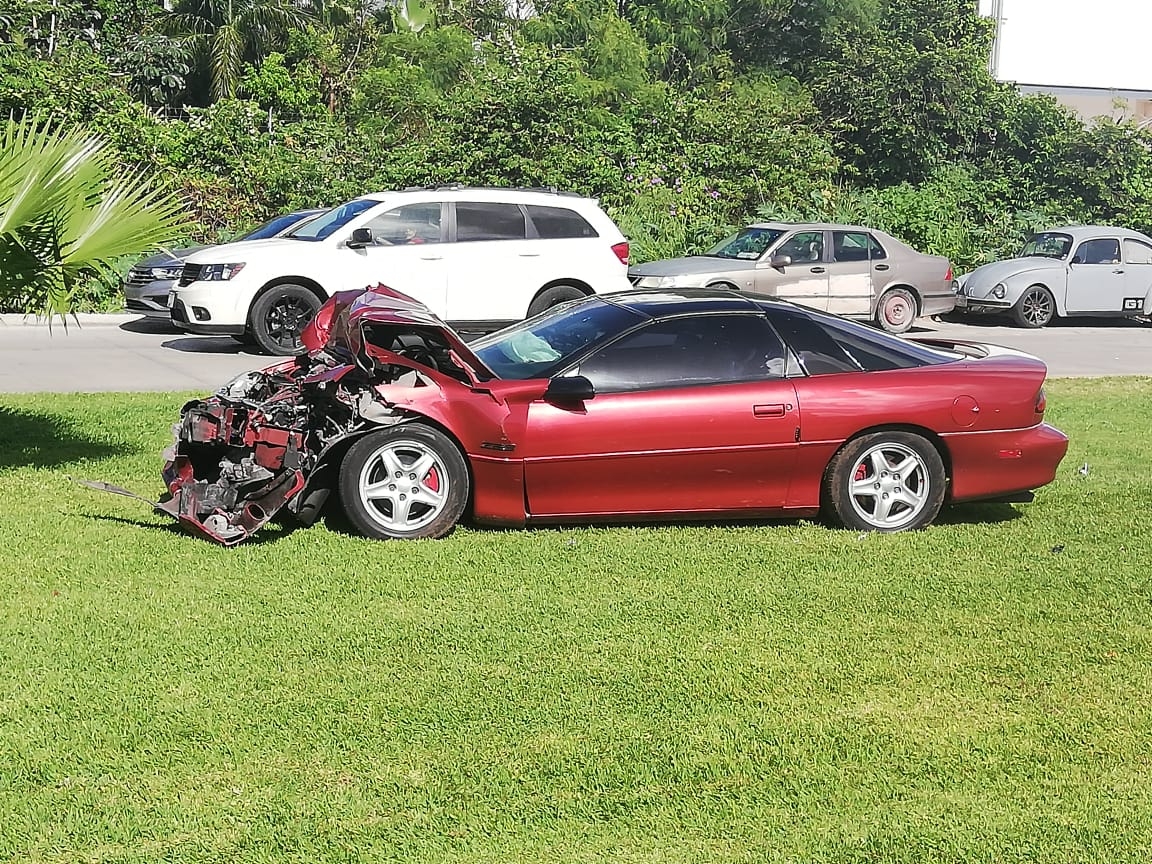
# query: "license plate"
{"points": [[171, 299]]}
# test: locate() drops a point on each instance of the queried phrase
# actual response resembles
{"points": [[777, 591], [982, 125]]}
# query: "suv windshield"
{"points": [[540, 346], [747, 243], [1048, 245], [274, 226], [326, 224]]}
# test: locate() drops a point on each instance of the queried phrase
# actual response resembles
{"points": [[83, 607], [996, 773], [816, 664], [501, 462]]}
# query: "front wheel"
{"points": [[896, 310], [407, 482], [885, 481], [554, 296], [1035, 309], [279, 316]]}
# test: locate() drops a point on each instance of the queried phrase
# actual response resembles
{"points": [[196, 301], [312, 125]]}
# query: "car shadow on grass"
{"points": [[986, 513], [31, 439]]}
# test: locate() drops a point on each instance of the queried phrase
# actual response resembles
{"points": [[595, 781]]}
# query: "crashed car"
{"points": [[681, 404]]}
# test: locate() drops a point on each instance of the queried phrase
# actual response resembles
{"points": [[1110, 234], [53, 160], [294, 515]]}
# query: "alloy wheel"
{"points": [[404, 485], [889, 486]]}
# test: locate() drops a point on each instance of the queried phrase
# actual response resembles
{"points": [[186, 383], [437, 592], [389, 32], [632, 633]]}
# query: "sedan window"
{"points": [[684, 352], [851, 246], [805, 246], [747, 243], [1099, 251]]}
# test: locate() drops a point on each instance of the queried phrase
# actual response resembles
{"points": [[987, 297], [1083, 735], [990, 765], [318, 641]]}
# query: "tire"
{"points": [[385, 510], [1035, 309], [896, 310], [278, 317], [862, 490], [554, 296]]}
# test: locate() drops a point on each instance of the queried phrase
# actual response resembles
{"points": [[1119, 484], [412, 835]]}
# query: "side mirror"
{"points": [[572, 388], [780, 261], [360, 238]]}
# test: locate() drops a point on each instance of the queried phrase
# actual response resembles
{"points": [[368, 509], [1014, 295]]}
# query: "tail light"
{"points": [[1041, 402], [948, 275], [620, 250]]}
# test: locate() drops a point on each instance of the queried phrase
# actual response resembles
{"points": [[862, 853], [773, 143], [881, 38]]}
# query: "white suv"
{"points": [[478, 258]]}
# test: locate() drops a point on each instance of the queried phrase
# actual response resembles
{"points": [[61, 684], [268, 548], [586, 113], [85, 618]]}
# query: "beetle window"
{"points": [[1100, 251], [1137, 252]]}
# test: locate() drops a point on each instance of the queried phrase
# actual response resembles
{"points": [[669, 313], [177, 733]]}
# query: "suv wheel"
{"points": [[554, 296], [279, 316]]}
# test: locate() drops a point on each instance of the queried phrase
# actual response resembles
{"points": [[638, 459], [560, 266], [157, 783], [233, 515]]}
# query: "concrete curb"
{"points": [[82, 319]]}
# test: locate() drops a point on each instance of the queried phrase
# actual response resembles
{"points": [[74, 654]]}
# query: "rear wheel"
{"points": [[554, 296], [896, 310], [1035, 309], [279, 316], [408, 482], [885, 481]]}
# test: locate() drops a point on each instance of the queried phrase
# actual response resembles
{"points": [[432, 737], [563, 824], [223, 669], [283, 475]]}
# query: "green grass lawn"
{"points": [[979, 691]]}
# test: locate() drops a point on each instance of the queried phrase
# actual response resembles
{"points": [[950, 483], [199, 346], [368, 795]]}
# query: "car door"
{"points": [[805, 279], [1096, 280], [850, 273], [691, 415], [493, 273], [406, 254], [1137, 275]]}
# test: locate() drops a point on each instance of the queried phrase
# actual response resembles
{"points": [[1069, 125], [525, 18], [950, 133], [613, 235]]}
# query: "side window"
{"points": [[476, 221], [684, 352], [1137, 252], [1098, 252], [851, 246], [817, 351], [878, 253], [412, 223], [559, 223], [805, 246]]}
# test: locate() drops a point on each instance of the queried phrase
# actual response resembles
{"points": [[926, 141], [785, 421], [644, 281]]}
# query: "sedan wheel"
{"points": [[896, 310], [408, 482], [887, 481], [1036, 308]]}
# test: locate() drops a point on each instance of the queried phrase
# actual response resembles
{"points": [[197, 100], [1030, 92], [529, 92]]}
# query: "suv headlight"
{"points": [[219, 272], [999, 290], [167, 272]]}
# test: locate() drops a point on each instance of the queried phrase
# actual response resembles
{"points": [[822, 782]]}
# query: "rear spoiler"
{"points": [[972, 350]]}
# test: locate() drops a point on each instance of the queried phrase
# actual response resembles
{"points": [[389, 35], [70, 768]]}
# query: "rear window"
{"points": [[816, 350], [559, 223]]}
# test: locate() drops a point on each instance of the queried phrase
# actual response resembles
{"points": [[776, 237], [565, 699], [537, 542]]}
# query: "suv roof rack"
{"points": [[548, 190]]}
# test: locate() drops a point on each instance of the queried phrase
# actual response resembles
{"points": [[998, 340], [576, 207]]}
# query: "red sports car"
{"points": [[643, 405]]}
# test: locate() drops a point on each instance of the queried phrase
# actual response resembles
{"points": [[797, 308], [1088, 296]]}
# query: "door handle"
{"points": [[817, 269], [1117, 271], [770, 410], [881, 266], [431, 257], [529, 254]]}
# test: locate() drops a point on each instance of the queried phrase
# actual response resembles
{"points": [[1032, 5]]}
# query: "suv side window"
{"points": [[412, 223], [685, 352], [489, 221], [559, 223], [1137, 252]]}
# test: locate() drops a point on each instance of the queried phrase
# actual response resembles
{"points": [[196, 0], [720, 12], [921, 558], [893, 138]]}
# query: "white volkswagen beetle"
{"points": [[1078, 270]]}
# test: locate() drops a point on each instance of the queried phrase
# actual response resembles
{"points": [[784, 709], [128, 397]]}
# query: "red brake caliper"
{"points": [[432, 481]]}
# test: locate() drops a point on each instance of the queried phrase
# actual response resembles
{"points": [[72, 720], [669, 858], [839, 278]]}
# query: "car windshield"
{"points": [[273, 226], [747, 243], [1050, 244], [326, 224], [552, 340]]}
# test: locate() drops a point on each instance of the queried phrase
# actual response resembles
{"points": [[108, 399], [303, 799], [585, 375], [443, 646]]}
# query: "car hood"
{"points": [[338, 327], [245, 250], [691, 266], [168, 257], [989, 274]]}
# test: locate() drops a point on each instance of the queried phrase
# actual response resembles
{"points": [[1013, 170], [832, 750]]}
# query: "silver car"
{"points": [[846, 269], [1078, 270]]}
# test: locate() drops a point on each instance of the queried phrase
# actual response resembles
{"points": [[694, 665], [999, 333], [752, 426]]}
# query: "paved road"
{"points": [[123, 352]]}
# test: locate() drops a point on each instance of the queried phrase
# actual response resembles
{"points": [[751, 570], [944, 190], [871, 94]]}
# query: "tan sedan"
{"points": [[846, 269]]}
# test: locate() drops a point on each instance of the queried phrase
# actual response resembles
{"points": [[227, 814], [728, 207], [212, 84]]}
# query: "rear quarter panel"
{"points": [[925, 273], [936, 401]]}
